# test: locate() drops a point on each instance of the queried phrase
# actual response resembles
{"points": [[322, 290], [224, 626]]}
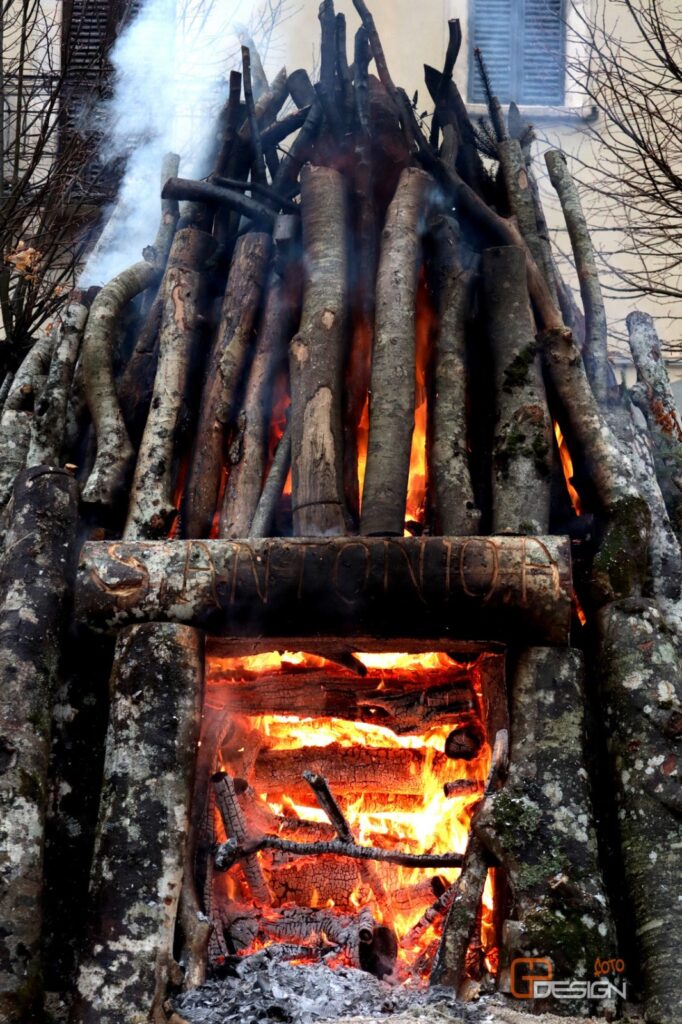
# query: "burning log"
{"points": [[151, 745], [235, 827], [558, 899], [314, 883], [230, 852], [523, 433], [37, 576], [456, 511], [495, 589], [234, 337], [49, 415], [316, 359], [643, 724], [393, 361], [152, 510]]}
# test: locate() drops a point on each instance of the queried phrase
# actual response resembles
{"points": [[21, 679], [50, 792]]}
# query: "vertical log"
{"points": [[541, 825], [316, 359], [151, 510], [393, 359], [37, 577], [521, 192], [456, 512], [522, 452], [234, 336], [156, 693], [272, 491]]}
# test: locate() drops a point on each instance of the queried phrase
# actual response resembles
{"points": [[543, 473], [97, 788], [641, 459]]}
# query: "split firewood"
{"points": [[394, 359], [595, 351], [128, 955], [49, 414], [266, 508], [235, 827], [456, 512], [152, 509], [316, 359], [35, 583], [522, 447], [234, 337]]}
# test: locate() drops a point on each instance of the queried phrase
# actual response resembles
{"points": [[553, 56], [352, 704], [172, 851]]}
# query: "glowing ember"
{"points": [[424, 822], [567, 466]]}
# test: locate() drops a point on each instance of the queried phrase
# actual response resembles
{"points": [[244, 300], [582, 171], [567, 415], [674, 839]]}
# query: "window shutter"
{"points": [[522, 42]]}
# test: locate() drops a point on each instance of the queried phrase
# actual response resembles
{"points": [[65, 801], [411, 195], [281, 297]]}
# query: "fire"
{"points": [[281, 400], [427, 822], [567, 466], [418, 479]]}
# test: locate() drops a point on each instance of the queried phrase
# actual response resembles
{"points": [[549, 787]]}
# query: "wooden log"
{"points": [[401, 705], [595, 350], [474, 588], [639, 671], [316, 359], [285, 181], [235, 828], [136, 382], [245, 482], [36, 580], [258, 160], [343, 71], [49, 416], [393, 360], [313, 883], [206, 192], [654, 397], [544, 834], [456, 512], [266, 508], [152, 509], [143, 825], [517, 181], [522, 451], [234, 337], [230, 852]]}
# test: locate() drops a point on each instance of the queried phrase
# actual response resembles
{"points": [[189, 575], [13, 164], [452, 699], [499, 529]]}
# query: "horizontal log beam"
{"points": [[481, 588]]}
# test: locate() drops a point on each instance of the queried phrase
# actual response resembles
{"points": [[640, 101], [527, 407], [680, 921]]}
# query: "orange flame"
{"points": [[567, 466]]}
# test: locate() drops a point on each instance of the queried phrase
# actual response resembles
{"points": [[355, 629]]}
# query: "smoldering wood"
{"points": [[137, 871], [315, 882], [394, 359], [36, 579], [522, 446], [316, 359], [643, 709], [333, 647], [245, 482], [343, 71], [595, 350], [266, 192], [258, 160], [328, 86], [456, 512], [230, 852], [152, 510], [558, 899], [301, 89], [402, 705], [474, 588], [272, 490], [234, 338], [49, 415], [235, 827], [207, 192]]}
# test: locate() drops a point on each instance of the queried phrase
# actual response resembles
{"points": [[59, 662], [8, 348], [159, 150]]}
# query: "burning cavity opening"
{"points": [[342, 791]]}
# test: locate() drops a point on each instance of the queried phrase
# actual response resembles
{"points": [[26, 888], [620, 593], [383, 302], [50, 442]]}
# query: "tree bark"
{"points": [[393, 360], [456, 512], [37, 580], [143, 823], [541, 825], [115, 456], [595, 351], [151, 510], [266, 508], [234, 337], [316, 359], [522, 447], [497, 589], [639, 669], [519, 186]]}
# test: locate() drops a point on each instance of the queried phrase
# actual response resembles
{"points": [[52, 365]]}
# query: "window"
{"points": [[522, 42]]}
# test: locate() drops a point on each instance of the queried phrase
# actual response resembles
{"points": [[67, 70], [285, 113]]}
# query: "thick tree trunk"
{"points": [[316, 359], [152, 510], [234, 337], [393, 360], [502, 588], [156, 693], [541, 825], [37, 580], [640, 672], [522, 451], [456, 512]]}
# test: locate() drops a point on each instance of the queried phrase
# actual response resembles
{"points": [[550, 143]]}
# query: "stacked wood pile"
{"points": [[288, 288]]}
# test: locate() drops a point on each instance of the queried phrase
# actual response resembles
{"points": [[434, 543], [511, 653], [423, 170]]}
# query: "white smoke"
{"points": [[171, 67]]}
